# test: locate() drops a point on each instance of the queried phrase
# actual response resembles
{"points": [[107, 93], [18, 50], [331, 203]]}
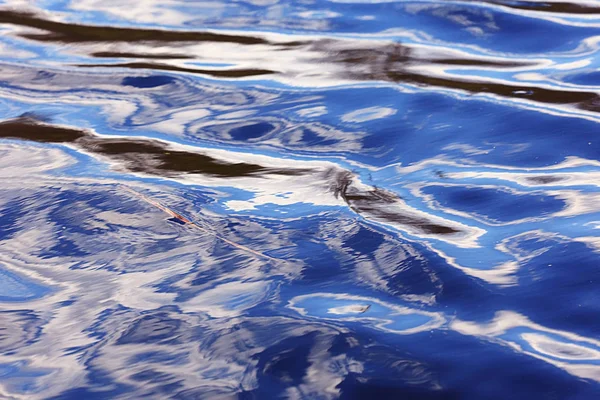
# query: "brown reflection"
{"points": [[136, 155], [219, 73], [553, 7], [398, 54], [75, 33], [116, 54], [374, 204], [155, 158], [392, 63], [28, 128]]}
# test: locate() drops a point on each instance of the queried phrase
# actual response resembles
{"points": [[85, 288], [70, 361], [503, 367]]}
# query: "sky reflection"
{"points": [[333, 199]]}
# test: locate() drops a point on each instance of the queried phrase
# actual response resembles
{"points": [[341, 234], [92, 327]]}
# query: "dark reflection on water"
{"points": [[266, 199], [236, 73], [388, 62], [74, 33], [148, 156], [551, 6]]}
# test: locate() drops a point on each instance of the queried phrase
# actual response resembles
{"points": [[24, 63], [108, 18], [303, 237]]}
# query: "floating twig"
{"points": [[186, 221]]}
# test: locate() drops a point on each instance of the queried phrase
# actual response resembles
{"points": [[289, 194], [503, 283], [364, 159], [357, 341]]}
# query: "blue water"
{"points": [[300, 199]]}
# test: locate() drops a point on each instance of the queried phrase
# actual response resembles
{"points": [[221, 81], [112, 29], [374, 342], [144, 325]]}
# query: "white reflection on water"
{"points": [[124, 250], [573, 353], [381, 315]]}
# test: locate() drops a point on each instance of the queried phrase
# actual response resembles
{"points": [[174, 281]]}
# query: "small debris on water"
{"points": [[349, 309]]}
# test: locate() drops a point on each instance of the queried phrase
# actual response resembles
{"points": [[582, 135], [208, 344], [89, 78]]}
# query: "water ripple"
{"points": [[325, 199]]}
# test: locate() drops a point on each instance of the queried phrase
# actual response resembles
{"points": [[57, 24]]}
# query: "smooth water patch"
{"points": [[369, 311], [14, 287]]}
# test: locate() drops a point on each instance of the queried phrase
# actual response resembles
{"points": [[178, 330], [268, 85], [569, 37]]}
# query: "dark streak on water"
{"points": [[553, 7], [373, 203], [393, 200], [75, 33], [223, 73], [389, 64], [147, 156], [114, 54]]}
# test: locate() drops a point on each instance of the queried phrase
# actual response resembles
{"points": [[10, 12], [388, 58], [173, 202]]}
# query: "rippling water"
{"points": [[312, 199]]}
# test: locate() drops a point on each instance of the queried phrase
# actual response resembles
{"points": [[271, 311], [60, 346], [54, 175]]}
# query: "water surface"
{"points": [[310, 199]]}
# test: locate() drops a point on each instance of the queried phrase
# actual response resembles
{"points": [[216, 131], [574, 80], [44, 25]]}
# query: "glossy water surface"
{"points": [[315, 199]]}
